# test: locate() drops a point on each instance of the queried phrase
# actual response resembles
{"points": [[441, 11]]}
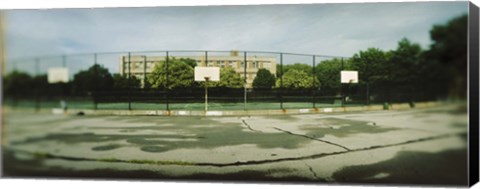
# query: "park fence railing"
{"points": [[161, 80]]}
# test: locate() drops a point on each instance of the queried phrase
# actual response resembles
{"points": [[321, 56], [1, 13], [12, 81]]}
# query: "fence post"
{"points": [[281, 80], [167, 81], [15, 93], [245, 80], [342, 95], [368, 99], [64, 61], [95, 104], [128, 83], [206, 58], [314, 81], [63, 86], [368, 87], [144, 71], [37, 95]]}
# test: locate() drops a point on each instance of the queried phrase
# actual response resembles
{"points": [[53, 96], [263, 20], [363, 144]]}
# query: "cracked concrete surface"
{"points": [[290, 133], [249, 127], [335, 147]]}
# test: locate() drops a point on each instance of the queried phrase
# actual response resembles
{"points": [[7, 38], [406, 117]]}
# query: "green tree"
{"points": [[121, 82], [189, 61], [264, 79], [297, 66], [40, 83], [371, 65], [402, 69], [180, 75], [96, 78], [444, 65], [328, 73], [17, 84], [298, 79]]}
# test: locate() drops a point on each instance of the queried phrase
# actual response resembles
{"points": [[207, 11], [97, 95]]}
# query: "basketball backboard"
{"points": [[212, 73], [57, 75], [349, 76]]}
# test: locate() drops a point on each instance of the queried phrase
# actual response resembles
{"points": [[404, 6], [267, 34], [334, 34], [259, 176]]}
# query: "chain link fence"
{"points": [[163, 80]]}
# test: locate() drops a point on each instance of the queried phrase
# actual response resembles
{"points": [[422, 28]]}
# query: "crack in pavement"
{"points": [[249, 127], [312, 171], [238, 163], [312, 138]]}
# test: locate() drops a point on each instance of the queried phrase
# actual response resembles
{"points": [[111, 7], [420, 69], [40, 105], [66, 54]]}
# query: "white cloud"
{"points": [[328, 29]]}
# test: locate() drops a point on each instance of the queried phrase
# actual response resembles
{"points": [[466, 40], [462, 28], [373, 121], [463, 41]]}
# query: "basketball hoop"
{"points": [[207, 74]]}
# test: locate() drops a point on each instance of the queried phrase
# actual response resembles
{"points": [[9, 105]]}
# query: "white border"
{"points": [[74, 184]]}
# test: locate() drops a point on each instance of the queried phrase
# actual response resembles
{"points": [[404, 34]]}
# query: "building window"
{"points": [[266, 65]]}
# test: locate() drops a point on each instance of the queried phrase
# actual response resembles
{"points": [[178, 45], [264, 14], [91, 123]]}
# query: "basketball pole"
{"points": [[245, 81], [206, 93]]}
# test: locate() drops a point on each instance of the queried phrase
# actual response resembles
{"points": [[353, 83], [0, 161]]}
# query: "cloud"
{"points": [[327, 29]]}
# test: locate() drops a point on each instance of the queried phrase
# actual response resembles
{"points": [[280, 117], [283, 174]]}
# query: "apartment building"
{"points": [[140, 66]]}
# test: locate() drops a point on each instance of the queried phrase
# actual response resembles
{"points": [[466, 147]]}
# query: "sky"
{"points": [[324, 29]]}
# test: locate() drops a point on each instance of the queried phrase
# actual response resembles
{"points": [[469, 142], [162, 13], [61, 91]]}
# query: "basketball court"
{"points": [[378, 146]]}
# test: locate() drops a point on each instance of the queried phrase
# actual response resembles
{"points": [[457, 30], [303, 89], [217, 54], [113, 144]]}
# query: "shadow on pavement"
{"points": [[409, 167], [188, 136]]}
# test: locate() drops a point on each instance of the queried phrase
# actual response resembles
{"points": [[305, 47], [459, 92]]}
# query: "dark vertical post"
{"points": [[206, 83], [15, 94], [129, 87], [144, 71], [206, 94], [167, 81], [63, 98], [281, 80], [206, 58], [368, 99], [64, 61], [342, 63], [368, 87], [314, 82], [95, 104], [245, 81], [37, 90], [342, 86]]}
